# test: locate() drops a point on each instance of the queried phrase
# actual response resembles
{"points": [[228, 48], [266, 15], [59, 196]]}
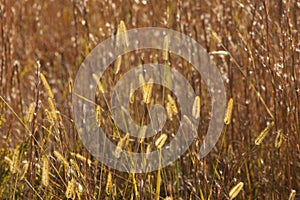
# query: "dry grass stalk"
{"points": [[141, 134], [190, 123], [292, 195], [45, 171], [99, 115], [52, 108], [236, 190], [49, 116], [158, 183], [165, 52], [47, 86], [135, 186], [61, 158], [196, 107], [228, 113], [263, 134], [159, 143], [99, 84], [30, 112], [147, 91]]}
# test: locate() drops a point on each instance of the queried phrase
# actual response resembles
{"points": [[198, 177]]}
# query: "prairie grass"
{"points": [[254, 44]]}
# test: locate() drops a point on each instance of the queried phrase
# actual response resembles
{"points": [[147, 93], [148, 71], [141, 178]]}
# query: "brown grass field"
{"points": [[254, 43]]}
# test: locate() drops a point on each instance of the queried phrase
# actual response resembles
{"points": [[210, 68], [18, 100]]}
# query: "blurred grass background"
{"points": [[256, 46]]}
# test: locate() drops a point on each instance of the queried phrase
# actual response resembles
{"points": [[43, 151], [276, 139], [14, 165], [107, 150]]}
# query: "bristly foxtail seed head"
{"points": [[24, 169], [196, 107], [117, 64], [228, 113], [236, 190], [82, 158], [292, 195], [45, 171], [70, 191], [159, 143], [14, 164], [169, 110], [278, 139], [61, 158], [121, 144], [147, 91], [122, 29], [108, 187], [173, 104], [99, 115], [263, 134]]}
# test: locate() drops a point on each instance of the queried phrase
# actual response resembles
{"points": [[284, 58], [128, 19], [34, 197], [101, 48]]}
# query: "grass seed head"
{"points": [[122, 39], [45, 171], [292, 195], [117, 64], [14, 164], [159, 143], [263, 134], [147, 91], [108, 188], [173, 104], [99, 115], [196, 107], [278, 139], [228, 113], [121, 144], [24, 169], [70, 190], [61, 158], [236, 190]]}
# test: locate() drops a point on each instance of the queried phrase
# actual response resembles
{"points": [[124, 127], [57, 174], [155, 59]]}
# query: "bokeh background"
{"points": [[255, 45]]}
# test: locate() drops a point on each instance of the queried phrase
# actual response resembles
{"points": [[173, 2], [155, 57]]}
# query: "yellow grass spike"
{"points": [[228, 113], [263, 134], [236, 190]]}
